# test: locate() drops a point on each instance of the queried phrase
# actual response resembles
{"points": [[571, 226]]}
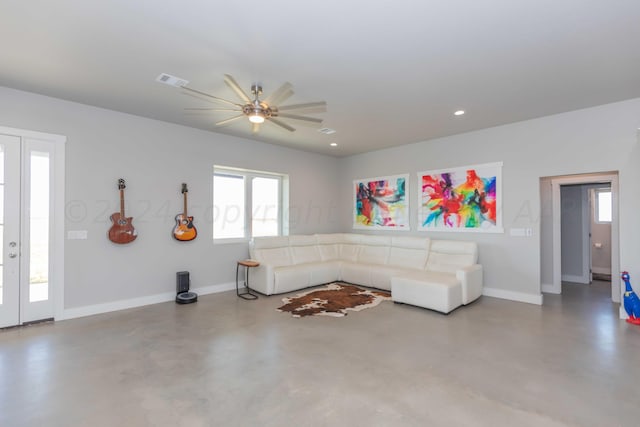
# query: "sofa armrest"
{"points": [[261, 278], [471, 280]]}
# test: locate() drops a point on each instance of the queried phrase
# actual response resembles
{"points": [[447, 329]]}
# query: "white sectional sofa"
{"points": [[436, 274]]}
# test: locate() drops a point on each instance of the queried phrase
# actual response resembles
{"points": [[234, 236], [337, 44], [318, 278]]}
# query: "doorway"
{"points": [[31, 226], [552, 245]]}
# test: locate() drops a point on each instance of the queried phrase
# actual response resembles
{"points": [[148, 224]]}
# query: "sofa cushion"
{"points": [[409, 252], [348, 252], [304, 249], [432, 290], [329, 239], [354, 272], [450, 255], [329, 252], [270, 242], [373, 254], [276, 257], [328, 246], [374, 249], [290, 278]]}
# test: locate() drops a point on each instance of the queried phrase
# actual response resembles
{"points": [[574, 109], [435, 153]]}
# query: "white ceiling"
{"points": [[392, 72]]}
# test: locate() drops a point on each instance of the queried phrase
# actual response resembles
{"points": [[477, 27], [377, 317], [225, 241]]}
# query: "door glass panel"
{"points": [[1, 185], [39, 228], [1, 203], [1, 220]]}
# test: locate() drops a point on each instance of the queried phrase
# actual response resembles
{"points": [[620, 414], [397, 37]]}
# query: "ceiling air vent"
{"points": [[326, 131], [171, 80]]}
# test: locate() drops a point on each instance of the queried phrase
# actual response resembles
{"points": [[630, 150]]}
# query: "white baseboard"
{"points": [[90, 310], [623, 313], [513, 296], [549, 289], [601, 270], [575, 279]]}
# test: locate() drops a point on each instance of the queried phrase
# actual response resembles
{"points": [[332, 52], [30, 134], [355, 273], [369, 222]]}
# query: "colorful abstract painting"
{"points": [[461, 199], [381, 203]]}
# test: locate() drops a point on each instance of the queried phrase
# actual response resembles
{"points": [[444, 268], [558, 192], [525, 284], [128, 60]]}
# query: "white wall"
{"points": [[598, 139], [155, 158]]}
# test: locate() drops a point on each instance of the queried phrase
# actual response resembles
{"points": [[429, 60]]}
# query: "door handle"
{"points": [[12, 244], [13, 255]]}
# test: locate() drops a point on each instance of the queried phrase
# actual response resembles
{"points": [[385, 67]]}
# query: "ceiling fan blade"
{"points": [[229, 120], [197, 92], [280, 94], [303, 118], [320, 106], [282, 124], [213, 109], [236, 88], [255, 128]]}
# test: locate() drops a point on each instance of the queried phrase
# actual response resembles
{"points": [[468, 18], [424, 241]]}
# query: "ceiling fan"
{"points": [[257, 110]]}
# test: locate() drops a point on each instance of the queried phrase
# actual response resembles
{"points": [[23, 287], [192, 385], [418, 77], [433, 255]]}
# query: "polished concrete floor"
{"points": [[228, 362]]}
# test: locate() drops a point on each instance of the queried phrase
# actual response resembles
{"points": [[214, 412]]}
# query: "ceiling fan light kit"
{"points": [[258, 111]]}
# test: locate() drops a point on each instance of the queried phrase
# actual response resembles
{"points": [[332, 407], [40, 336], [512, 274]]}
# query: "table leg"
{"points": [[247, 294]]}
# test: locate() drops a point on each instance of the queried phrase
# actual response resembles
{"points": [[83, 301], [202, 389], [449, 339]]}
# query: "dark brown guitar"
{"points": [[122, 230], [184, 229]]}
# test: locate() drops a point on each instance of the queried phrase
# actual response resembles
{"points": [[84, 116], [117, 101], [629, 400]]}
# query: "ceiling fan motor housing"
{"points": [[259, 108]]}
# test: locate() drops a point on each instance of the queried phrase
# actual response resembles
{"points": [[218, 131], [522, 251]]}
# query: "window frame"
{"points": [[248, 176]]}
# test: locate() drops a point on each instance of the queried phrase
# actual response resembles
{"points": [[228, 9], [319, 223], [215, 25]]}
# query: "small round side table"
{"points": [[247, 264]]}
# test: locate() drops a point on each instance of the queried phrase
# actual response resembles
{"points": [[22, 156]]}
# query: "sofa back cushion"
{"points": [[374, 249], [349, 247], [450, 255], [304, 249], [271, 250], [328, 246], [409, 252]]}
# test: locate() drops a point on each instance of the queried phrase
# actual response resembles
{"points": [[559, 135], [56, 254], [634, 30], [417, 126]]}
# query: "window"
{"points": [[247, 203], [603, 205]]}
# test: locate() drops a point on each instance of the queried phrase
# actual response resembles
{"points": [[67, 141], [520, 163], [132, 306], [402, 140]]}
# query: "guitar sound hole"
{"points": [[122, 222]]}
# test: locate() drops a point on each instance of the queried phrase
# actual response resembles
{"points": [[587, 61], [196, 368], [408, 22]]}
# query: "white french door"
{"points": [[27, 233]]}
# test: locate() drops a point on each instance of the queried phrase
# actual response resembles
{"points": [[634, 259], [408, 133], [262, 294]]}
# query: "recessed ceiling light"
{"points": [[458, 113], [334, 144]]}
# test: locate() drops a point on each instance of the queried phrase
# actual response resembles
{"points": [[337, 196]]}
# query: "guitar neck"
{"points": [[121, 203], [185, 204]]}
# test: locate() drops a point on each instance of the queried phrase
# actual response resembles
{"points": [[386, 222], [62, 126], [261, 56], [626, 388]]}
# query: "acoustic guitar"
{"points": [[184, 229], [122, 230]]}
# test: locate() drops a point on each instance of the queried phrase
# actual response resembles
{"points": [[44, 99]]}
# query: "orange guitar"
{"points": [[122, 230], [184, 229]]}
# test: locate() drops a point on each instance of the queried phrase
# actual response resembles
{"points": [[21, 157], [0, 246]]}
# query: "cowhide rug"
{"points": [[333, 300]]}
